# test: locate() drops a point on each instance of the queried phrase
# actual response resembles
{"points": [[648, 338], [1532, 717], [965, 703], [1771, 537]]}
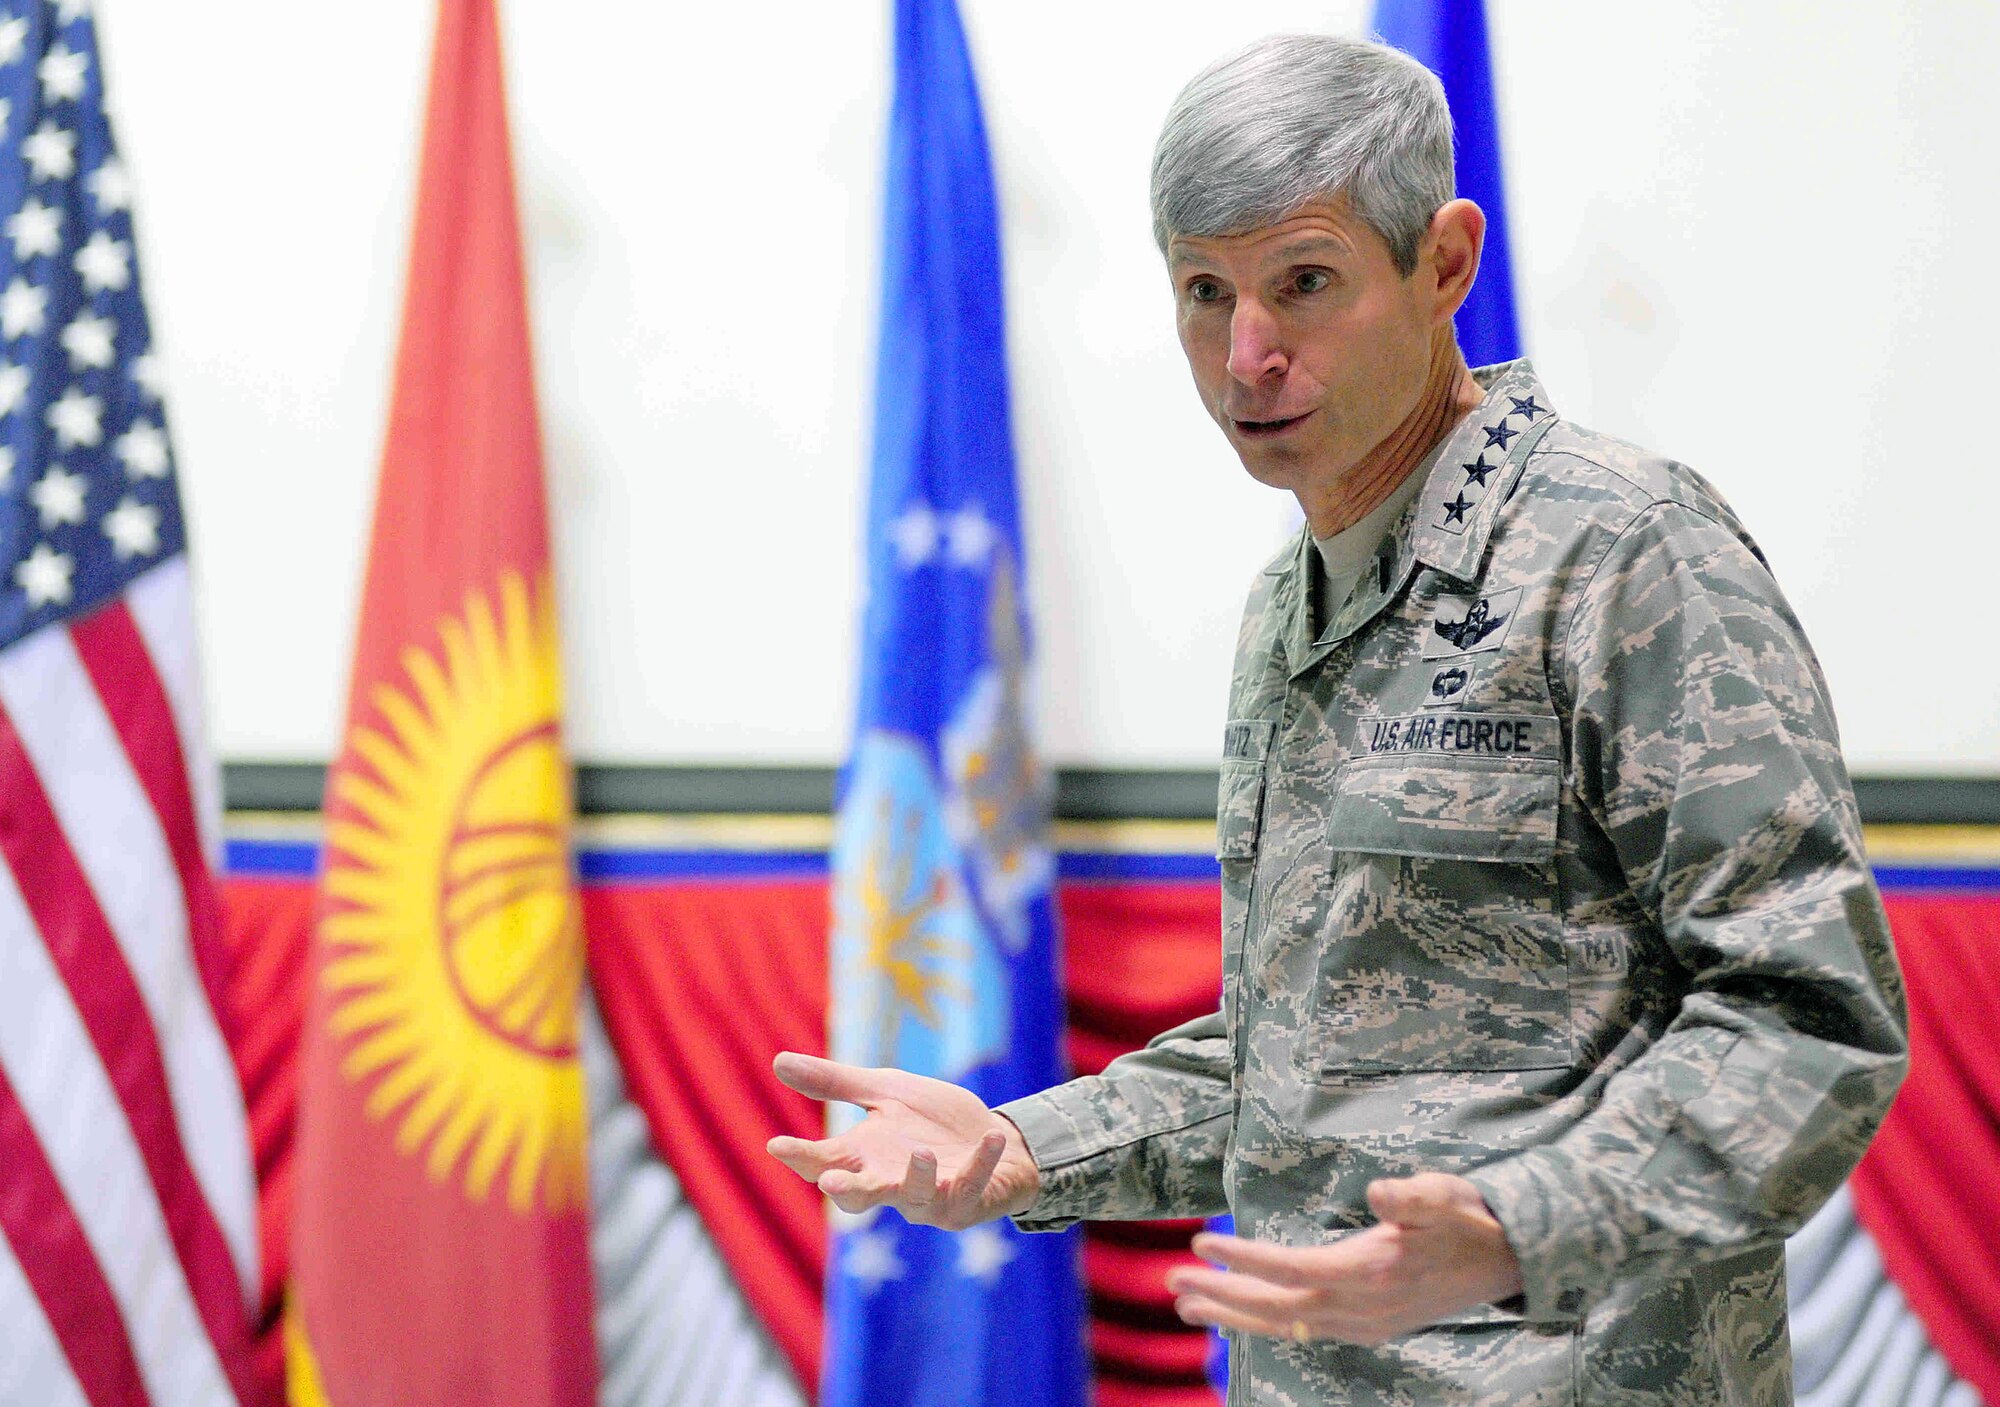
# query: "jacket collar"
{"points": [[1466, 477], [1472, 473]]}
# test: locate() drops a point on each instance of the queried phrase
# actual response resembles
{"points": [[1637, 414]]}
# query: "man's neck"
{"points": [[1450, 394]]}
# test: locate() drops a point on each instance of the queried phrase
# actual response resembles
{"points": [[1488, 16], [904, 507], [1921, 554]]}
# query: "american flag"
{"points": [[128, 1255]]}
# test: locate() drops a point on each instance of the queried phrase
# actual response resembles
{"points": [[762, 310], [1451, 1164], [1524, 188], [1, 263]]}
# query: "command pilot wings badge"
{"points": [[1466, 634], [1466, 625]]}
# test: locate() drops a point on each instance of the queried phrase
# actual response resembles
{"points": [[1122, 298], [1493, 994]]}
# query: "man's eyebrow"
{"points": [[1322, 246], [1307, 247]]}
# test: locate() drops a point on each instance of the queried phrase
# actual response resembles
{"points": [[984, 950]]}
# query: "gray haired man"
{"points": [[1556, 988]]}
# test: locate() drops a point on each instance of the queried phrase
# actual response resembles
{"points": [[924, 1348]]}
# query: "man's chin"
{"points": [[1287, 471], [1273, 461]]}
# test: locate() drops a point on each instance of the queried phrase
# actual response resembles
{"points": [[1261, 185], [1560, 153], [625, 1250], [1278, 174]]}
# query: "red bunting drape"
{"points": [[1929, 1189], [700, 982]]}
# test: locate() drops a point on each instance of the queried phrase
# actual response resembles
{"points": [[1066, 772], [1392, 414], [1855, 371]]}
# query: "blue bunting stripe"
{"points": [[299, 859]]}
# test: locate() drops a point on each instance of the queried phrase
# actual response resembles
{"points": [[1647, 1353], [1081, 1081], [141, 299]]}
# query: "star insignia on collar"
{"points": [[1526, 407], [1476, 472], [1500, 434], [1454, 511]]}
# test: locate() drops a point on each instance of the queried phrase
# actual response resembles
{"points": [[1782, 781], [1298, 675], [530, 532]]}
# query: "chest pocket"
{"points": [[1445, 946]]}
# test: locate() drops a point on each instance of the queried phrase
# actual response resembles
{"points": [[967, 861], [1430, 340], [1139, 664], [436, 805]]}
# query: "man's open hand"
{"points": [[931, 1150], [1434, 1251]]}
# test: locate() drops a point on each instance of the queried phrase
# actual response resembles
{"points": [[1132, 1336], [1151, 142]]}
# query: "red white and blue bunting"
{"points": [[708, 952]]}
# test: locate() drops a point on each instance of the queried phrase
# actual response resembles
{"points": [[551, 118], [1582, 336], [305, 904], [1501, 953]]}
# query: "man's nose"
{"points": [[1255, 350]]}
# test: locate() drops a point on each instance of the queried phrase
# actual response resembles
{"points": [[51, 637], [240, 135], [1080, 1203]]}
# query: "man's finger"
{"points": [[1356, 1258], [852, 1192], [1298, 1266], [810, 1157], [1196, 1309], [970, 1185], [1247, 1294], [1424, 1200], [854, 1203], [1322, 1325], [825, 1079], [920, 1180]]}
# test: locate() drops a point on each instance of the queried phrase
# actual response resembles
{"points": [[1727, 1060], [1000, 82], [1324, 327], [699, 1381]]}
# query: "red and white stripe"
{"points": [[128, 1206]]}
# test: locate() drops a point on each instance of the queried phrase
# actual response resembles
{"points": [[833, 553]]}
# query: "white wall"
{"points": [[1755, 237]]}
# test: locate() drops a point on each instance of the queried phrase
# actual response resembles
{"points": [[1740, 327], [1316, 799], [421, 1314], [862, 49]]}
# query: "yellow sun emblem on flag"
{"points": [[454, 952]]}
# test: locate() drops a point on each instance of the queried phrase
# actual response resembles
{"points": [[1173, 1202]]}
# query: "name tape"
{"points": [[1462, 734], [1247, 739]]}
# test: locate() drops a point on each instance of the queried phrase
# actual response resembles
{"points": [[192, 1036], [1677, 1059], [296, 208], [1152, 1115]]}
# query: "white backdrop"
{"points": [[1758, 238]]}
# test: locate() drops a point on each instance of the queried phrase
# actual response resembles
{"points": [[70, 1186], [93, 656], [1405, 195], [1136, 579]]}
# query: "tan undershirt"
{"points": [[1344, 556]]}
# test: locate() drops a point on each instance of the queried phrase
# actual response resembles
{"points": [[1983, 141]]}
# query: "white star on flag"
{"points": [[58, 496], [6, 467], [23, 309], [983, 1253], [13, 35], [51, 152], [144, 450], [110, 186], [972, 536], [915, 534], [44, 575], [35, 229], [134, 529], [871, 1259], [62, 73], [13, 388], [104, 263], [68, 11], [77, 419], [146, 373], [87, 339]]}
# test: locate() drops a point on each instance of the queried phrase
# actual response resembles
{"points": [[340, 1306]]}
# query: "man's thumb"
{"points": [[1422, 1200]]}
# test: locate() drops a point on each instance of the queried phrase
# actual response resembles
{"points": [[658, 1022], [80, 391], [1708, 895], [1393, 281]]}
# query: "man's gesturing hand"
{"points": [[1435, 1250], [931, 1150]]}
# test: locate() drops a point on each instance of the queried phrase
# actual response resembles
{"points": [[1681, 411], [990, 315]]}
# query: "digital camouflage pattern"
{"points": [[1540, 866]]}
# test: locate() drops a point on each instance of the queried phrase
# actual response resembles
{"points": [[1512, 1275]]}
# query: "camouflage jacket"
{"points": [[1540, 866]]}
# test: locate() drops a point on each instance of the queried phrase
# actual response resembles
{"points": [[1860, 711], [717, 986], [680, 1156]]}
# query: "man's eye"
{"points": [[1204, 290], [1313, 281]]}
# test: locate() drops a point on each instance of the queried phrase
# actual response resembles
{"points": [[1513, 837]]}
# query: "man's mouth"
{"points": [[1265, 429]]}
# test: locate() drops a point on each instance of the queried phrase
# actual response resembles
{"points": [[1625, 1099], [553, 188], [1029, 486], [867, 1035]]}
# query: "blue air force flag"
{"points": [[944, 955], [1449, 38]]}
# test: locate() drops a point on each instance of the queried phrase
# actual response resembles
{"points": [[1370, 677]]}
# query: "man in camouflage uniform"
{"points": [[1557, 991]]}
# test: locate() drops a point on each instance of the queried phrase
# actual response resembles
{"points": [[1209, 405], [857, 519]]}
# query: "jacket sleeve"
{"points": [[1705, 757], [1144, 1139]]}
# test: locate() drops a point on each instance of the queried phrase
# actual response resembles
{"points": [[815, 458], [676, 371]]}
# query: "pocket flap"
{"points": [[1458, 808]]}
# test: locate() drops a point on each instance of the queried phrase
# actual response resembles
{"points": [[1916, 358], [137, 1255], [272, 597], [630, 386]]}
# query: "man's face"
{"points": [[1307, 346]]}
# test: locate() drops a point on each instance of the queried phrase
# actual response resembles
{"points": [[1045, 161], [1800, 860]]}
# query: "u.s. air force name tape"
{"points": [[1462, 734]]}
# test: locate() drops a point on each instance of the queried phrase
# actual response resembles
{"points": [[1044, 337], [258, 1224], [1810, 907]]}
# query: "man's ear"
{"points": [[1450, 254]]}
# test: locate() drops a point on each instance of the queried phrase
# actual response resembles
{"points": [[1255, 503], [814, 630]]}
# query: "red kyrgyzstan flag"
{"points": [[440, 1249]]}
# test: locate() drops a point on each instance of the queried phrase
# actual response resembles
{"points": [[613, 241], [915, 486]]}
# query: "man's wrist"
{"points": [[1019, 1162], [1507, 1285], [1529, 1202]]}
